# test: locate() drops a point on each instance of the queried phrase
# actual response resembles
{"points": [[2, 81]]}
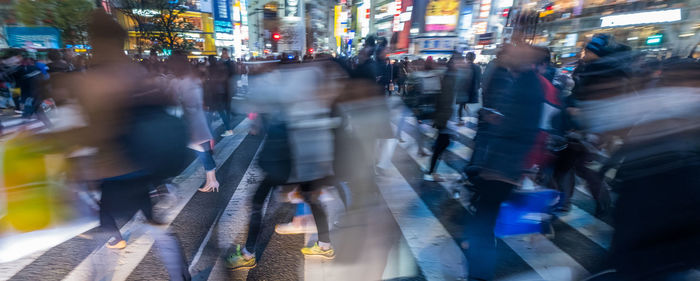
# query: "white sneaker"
{"points": [[434, 177], [292, 228], [227, 133]]}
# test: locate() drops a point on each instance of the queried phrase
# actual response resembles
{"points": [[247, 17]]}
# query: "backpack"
{"points": [[156, 142]]}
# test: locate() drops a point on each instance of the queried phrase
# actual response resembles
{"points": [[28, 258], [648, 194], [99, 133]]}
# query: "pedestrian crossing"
{"points": [[427, 215]]}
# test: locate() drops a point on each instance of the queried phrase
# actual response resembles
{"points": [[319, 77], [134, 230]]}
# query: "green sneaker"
{"points": [[238, 261], [316, 250]]}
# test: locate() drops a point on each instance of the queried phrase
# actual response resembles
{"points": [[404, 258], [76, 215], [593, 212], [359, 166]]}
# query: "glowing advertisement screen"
{"points": [[441, 15]]}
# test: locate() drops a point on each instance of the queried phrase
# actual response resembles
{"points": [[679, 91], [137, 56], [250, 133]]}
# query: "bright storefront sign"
{"points": [[436, 44], [397, 16], [363, 16], [641, 18], [441, 15], [484, 9]]}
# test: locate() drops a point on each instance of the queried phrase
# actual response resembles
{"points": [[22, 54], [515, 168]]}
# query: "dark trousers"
{"points": [[122, 197], [441, 143], [225, 116], [462, 107], [310, 193], [481, 252], [572, 161]]}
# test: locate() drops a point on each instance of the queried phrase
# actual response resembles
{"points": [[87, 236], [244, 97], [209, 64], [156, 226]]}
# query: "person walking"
{"points": [[298, 150], [422, 90], [453, 84], [124, 107], [501, 159], [187, 90], [217, 99], [656, 213], [470, 95]]}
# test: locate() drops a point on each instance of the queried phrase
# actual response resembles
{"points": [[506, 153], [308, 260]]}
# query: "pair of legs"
{"points": [[206, 156], [225, 116], [461, 108], [480, 243], [572, 161], [125, 195], [441, 143], [310, 194]]}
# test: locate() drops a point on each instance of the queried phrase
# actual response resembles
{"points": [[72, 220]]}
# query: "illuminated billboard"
{"points": [[641, 18], [441, 15]]}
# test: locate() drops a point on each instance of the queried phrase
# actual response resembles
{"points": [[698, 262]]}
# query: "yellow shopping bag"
{"points": [[27, 173]]}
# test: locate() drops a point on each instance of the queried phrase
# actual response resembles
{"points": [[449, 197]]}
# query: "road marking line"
{"points": [[427, 238], [545, 258], [233, 224], [596, 230]]}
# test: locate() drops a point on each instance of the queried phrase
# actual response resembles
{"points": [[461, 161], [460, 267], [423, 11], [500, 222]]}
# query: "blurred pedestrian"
{"points": [[454, 84], [187, 88], [124, 106], [298, 150], [656, 230], [217, 99], [470, 95], [500, 160]]}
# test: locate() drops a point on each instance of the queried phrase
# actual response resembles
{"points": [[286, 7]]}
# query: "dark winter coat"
{"points": [[472, 83], [502, 149]]}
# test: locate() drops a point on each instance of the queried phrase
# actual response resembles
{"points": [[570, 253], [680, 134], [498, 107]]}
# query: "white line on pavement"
{"points": [[232, 226], [430, 243]]}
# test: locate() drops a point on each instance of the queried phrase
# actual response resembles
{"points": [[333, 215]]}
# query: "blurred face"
{"points": [[588, 56]]}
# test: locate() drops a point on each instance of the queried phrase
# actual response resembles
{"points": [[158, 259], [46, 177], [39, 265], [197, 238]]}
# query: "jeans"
{"points": [[206, 157], [481, 253]]}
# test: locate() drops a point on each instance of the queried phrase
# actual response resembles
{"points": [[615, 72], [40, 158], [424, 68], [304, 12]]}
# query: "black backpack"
{"points": [[156, 142]]}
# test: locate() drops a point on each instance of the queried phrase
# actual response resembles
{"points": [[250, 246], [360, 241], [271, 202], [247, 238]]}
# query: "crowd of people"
{"points": [[324, 118]]}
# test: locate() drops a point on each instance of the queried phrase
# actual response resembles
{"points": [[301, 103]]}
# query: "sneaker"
{"points": [[227, 133], [433, 177], [114, 244], [424, 153], [317, 251], [238, 261], [295, 228]]}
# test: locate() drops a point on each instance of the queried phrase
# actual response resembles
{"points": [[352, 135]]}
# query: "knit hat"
{"points": [[603, 44]]}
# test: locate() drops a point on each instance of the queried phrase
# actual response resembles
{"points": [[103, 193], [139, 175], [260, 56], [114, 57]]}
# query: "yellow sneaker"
{"points": [[238, 261], [317, 251], [121, 244]]}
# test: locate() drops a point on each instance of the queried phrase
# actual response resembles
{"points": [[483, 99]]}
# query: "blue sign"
{"points": [[222, 10], [223, 26], [35, 37]]}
